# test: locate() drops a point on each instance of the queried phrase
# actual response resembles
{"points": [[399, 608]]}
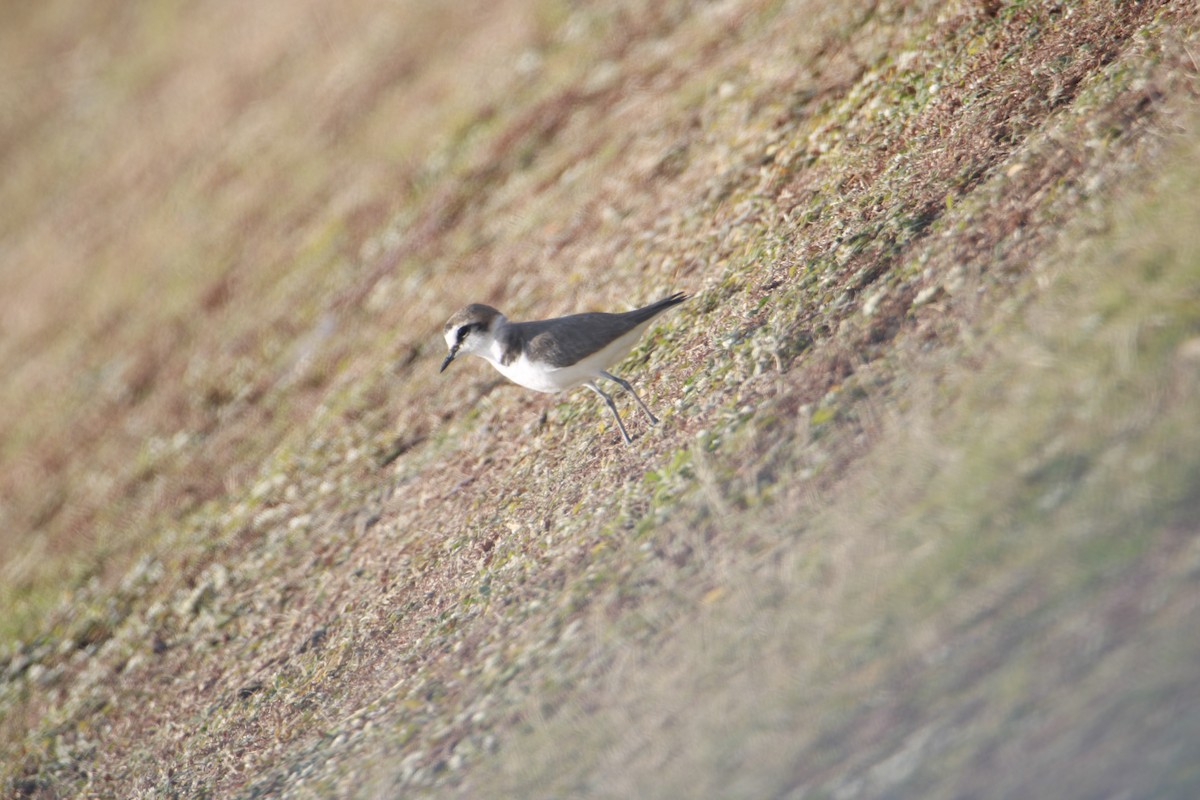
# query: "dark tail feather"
{"points": [[654, 309]]}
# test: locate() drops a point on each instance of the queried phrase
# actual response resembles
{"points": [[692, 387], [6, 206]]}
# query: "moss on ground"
{"points": [[919, 507]]}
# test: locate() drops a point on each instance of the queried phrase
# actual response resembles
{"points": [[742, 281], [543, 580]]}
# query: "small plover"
{"points": [[554, 355]]}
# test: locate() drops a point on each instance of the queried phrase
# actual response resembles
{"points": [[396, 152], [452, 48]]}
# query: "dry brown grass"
{"points": [[287, 552]]}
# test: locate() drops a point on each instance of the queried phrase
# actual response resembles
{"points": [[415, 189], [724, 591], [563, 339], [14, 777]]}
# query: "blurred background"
{"points": [[920, 521]]}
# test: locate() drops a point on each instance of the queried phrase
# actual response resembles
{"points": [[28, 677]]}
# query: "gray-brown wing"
{"points": [[565, 340]]}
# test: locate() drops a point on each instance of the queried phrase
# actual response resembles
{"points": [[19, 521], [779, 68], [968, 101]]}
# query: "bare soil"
{"points": [[255, 545]]}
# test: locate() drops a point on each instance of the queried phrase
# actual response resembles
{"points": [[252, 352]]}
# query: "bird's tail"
{"points": [[654, 309]]}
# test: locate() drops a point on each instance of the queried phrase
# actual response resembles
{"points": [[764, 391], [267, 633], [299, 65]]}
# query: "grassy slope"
{"points": [[868, 588], [1001, 601]]}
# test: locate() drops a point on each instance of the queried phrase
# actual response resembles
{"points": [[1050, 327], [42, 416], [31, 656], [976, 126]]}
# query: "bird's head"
{"points": [[469, 331]]}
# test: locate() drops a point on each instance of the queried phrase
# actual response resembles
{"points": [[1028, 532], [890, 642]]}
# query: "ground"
{"points": [[920, 517]]}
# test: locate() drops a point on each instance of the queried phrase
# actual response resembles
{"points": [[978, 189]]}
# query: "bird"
{"points": [[559, 354]]}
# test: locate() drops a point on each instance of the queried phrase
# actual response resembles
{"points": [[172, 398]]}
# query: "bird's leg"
{"points": [[624, 384], [611, 407]]}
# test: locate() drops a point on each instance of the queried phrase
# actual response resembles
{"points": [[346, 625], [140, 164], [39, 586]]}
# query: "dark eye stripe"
{"points": [[465, 330]]}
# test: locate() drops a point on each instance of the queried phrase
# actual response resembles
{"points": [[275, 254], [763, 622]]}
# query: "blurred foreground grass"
{"points": [[1005, 602], [917, 518]]}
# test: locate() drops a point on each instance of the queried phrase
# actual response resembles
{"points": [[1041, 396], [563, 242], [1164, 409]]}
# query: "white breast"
{"points": [[541, 378]]}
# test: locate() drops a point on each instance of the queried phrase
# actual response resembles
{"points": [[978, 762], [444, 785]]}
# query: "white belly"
{"points": [[540, 379]]}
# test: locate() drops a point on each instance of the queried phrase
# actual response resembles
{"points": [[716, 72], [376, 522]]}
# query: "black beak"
{"points": [[449, 358]]}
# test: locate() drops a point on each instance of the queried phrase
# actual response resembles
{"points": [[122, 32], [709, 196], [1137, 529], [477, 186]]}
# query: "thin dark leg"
{"points": [[624, 384], [613, 408]]}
